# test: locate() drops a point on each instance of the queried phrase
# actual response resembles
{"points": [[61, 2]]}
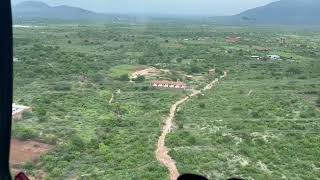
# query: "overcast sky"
{"points": [[176, 7]]}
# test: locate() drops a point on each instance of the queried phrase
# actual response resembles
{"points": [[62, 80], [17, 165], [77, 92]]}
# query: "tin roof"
{"points": [[169, 83]]}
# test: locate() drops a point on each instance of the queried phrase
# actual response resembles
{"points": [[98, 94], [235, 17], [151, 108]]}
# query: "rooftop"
{"points": [[169, 82], [18, 108]]}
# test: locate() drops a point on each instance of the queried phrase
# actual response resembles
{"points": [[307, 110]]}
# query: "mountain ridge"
{"points": [[284, 12], [35, 10]]}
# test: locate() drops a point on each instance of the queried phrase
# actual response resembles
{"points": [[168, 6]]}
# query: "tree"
{"points": [[42, 114], [294, 70], [77, 141], [98, 78], [62, 86], [119, 110], [145, 88], [195, 68], [140, 79], [142, 61], [241, 52], [124, 77], [160, 53], [309, 113], [202, 105], [24, 133], [174, 76], [318, 101], [179, 60]]}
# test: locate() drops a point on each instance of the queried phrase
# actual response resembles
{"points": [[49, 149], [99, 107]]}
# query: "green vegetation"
{"points": [[122, 71], [261, 122]]}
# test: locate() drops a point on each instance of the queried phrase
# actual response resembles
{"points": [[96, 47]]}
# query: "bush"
{"points": [[237, 108], [41, 112], [51, 139], [25, 133], [255, 114], [318, 102], [98, 78], [194, 68], [145, 88], [309, 113], [294, 70], [142, 61], [202, 105], [140, 79], [62, 86], [77, 141], [191, 140], [29, 166], [124, 77]]}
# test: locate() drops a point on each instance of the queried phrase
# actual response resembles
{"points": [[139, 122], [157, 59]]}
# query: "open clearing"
{"points": [[26, 151], [149, 72]]}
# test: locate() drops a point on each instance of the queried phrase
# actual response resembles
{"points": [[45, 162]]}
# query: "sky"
{"points": [[162, 7]]}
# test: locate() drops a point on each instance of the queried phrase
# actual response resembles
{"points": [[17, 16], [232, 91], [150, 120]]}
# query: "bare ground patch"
{"points": [[25, 151], [148, 72]]}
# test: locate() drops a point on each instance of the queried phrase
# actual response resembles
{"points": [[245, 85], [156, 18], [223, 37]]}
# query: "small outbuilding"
{"points": [[212, 71], [189, 77], [256, 57], [274, 57], [18, 111]]}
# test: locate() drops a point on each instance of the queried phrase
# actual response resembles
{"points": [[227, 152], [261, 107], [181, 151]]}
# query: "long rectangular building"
{"points": [[169, 84]]}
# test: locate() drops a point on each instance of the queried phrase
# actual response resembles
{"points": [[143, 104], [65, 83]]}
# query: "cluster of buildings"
{"points": [[169, 84], [270, 57], [230, 39], [176, 84]]}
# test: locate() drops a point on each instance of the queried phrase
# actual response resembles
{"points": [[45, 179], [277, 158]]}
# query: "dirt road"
{"points": [[162, 151], [111, 99]]}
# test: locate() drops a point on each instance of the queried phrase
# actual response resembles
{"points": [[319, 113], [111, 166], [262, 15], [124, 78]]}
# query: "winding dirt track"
{"points": [[162, 151], [111, 99]]}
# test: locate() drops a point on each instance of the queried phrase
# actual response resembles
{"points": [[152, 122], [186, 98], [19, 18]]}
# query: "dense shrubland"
{"points": [[264, 114]]}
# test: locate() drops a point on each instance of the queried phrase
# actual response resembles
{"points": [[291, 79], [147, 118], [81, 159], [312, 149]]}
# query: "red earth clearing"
{"points": [[25, 151]]}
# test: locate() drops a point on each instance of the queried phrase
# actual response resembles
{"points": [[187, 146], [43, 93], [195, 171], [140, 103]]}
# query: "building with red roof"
{"points": [[168, 84]]}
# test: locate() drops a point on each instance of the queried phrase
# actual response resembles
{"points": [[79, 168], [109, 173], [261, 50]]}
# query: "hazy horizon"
{"points": [[162, 7]]}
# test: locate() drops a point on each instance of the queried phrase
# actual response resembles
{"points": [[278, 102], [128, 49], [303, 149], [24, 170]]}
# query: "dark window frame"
{"points": [[6, 88]]}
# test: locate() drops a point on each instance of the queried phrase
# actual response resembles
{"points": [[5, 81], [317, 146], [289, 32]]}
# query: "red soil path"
{"points": [[162, 151]]}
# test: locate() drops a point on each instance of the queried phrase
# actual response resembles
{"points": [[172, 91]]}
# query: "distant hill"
{"points": [[286, 12], [283, 12], [34, 10]]}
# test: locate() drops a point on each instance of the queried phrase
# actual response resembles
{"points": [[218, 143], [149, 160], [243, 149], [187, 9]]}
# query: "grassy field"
{"points": [[262, 122], [121, 70]]}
